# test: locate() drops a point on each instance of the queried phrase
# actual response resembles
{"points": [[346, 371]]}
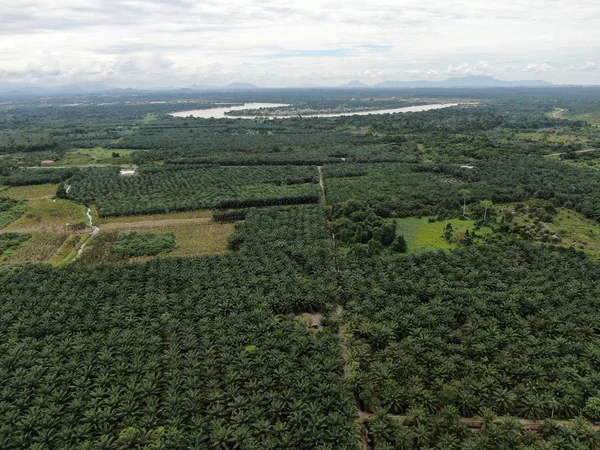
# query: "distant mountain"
{"points": [[240, 87], [468, 81], [355, 84], [81, 88], [235, 86]]}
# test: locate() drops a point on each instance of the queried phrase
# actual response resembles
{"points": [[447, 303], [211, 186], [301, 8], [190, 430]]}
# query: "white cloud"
{"points": [[538, 68], [145, 43], [590, 65], [478, 68]]}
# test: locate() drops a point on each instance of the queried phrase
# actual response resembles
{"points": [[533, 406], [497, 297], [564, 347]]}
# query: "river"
{"points": [[219, 113]]}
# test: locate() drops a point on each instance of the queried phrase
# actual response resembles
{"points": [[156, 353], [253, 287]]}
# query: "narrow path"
{"points": [[322, 184], [585, 150], [68, 188], [94, 232], [557, 113], [476, 424], [365, 440]]}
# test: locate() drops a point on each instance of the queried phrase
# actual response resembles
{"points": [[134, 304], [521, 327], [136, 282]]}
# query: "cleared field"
{"points": [[422, 235], [31, 192], [40, 248], [193, 236], [49, 215], [555, 138], [593, 117], [97, 155]]}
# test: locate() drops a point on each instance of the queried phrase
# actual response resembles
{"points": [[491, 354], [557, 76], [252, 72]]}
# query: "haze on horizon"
{"points": [[176, 43]]}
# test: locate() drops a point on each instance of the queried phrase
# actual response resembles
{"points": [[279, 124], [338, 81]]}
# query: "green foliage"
{"points": [[179, 353], [10, 241], [399, 245], [592, 408], [38, 176], [10, 210], [444, 430], [356, 223], [135, 243], [509, 326]]}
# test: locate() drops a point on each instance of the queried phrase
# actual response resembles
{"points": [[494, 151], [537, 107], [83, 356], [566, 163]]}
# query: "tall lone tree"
{"points": [[466, 195]]}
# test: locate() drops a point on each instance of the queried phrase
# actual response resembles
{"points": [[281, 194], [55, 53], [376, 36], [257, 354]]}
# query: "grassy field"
{"points": [[573, 229], [422, 235], [40, 248], [33, 192], [67, 251], [98, 155], [593, 118], [47, 215]]}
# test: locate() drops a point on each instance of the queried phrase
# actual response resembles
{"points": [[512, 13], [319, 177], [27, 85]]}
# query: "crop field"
{"points": [[9, 242], [380, 282], [221, 378], [179, 188], [10, 210], [462, 327], [40, 248], [25, 177]]}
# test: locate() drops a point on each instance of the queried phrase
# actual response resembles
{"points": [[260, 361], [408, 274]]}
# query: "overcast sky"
{"points": [[173, 43]]}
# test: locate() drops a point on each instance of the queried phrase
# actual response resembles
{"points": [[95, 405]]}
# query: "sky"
{"points": [[274, 43]]}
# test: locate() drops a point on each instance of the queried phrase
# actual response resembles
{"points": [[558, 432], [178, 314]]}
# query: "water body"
{"points": [[219, 113]]}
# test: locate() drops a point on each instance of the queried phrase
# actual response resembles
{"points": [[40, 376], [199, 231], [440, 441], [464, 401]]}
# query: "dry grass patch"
{"points": [[196, 214], [33, 192], [67, 251]]}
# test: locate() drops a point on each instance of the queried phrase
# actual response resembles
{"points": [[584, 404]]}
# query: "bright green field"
{"points": [[97, 155], [421, 235]]}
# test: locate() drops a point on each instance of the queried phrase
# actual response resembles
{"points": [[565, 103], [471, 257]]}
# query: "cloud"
{"points": [[310, 53], [145, 42], [478, 68], [590, 65], [538, 68]]}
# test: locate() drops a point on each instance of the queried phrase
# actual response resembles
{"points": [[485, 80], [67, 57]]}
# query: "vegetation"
{"points": [[38, 176], [236, 371], [469, 330], [11, 241], [10, 210], [135, 243], [31, 192], [180, 188], [410, 281], [45, 214], [40, 248]]}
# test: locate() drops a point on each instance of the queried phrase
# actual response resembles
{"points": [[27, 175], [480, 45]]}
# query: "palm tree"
{"points": [[486, 205], [466, 195]]}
